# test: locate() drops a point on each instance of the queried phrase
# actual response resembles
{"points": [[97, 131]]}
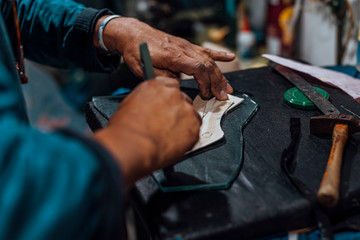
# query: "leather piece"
{"points": [[213, 166], [211, 112], [216, 165]]}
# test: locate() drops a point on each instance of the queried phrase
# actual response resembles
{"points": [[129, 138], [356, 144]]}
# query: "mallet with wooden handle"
{"points": [[340, 126]]}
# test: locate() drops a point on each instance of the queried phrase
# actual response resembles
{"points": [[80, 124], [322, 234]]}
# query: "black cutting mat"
{"points": [[213, 167], [261, 201]]}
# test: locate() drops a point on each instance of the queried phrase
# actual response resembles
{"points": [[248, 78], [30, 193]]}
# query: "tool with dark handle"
{"points": [[146, 64], [332, 122]]}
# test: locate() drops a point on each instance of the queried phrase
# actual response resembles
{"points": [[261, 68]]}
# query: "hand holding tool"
{"points": [[340, 126]]}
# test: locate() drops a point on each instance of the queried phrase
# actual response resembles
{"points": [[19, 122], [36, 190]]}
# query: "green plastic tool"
{"points": [[295, 98]]}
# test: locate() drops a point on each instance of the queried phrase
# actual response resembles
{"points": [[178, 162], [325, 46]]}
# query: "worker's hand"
{"points": [[170, 55], [153, 128]]}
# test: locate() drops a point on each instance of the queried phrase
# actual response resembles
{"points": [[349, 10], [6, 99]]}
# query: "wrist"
{"points": [[117, 33], [102, 43], [133, 153]]}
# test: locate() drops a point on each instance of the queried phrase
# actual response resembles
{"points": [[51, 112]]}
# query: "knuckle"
{"points": [[209, 66], [207, 51], [182, 42], [173, 55], [167, 39], [216, 85], [179, 55], [223, 78], [198, 65]]}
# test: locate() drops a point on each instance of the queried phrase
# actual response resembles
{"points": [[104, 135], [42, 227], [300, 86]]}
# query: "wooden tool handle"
{"points": [[328, 194]]}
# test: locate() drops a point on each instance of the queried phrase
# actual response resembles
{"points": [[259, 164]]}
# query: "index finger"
{"points": [[217, 55], [194, 67]]}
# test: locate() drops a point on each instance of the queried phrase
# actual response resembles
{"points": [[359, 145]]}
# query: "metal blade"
{"points": [[148, 70], [319, 100]]}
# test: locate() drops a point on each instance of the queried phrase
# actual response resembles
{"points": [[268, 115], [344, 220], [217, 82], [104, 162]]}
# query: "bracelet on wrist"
{"points": [[101, 31]]}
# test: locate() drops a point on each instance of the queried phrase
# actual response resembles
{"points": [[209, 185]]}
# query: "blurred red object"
{"points": [[279, 33]]}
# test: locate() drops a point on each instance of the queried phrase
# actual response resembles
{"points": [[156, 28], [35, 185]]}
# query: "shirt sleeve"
{"points": [[60, 34], [56, 186], [52, 185]]}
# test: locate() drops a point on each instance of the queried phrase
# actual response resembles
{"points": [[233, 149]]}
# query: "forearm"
{"points": [[59, 33]]}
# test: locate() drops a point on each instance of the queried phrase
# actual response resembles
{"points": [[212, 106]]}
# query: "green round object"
{"points": [[295, 98]]}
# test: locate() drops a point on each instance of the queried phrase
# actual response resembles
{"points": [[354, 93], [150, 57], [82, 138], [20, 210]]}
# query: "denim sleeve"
{"points": [[60, 34]]}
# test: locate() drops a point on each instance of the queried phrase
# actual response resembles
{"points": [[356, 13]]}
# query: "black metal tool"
{"points": [[319, 100], [146, 64]]}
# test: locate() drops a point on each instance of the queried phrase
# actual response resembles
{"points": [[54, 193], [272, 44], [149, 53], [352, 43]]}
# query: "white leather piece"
{"points": [[211, 112]]}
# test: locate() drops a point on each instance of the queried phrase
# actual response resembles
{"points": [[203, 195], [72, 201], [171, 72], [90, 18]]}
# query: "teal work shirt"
{"points": [[52, 185]]}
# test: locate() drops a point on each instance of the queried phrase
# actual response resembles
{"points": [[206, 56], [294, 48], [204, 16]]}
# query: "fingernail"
{"points": [[223, 95], [230, 54], [229, 88]]}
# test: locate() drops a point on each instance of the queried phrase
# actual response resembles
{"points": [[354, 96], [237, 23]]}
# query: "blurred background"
{"points": [[312, 30], [319, 32]]}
